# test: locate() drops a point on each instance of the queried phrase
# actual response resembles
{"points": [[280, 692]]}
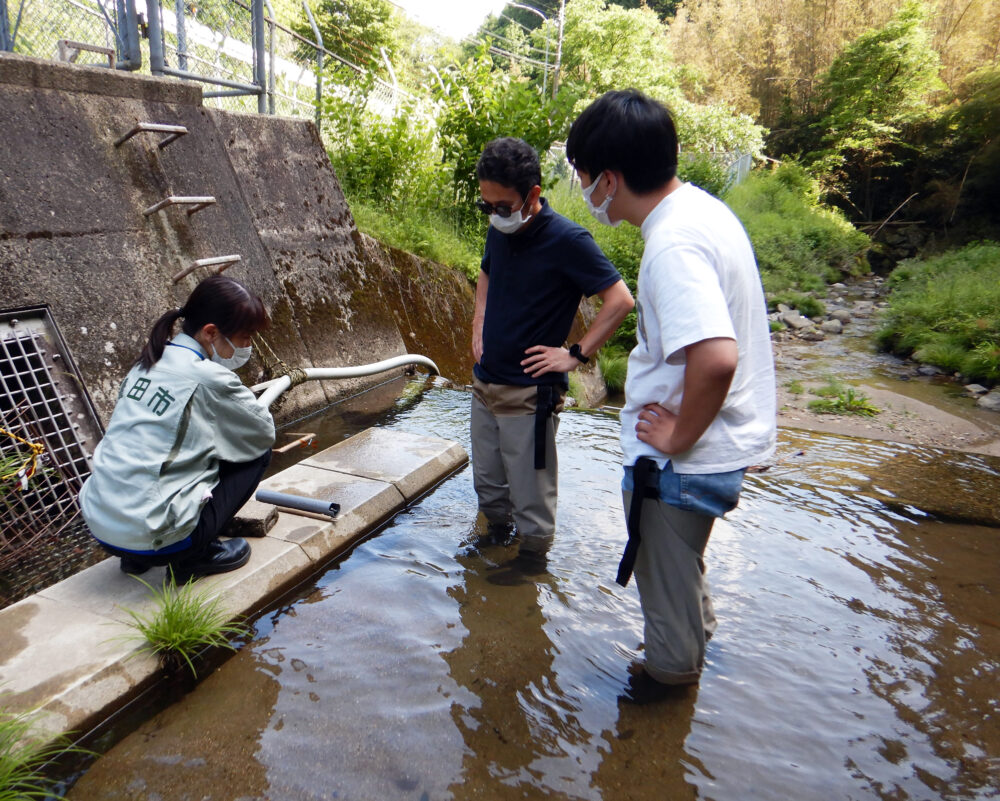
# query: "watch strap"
{"points": [[574, 351]]}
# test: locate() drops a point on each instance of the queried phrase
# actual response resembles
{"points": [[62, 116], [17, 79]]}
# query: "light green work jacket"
{"points": [[159, 460]]}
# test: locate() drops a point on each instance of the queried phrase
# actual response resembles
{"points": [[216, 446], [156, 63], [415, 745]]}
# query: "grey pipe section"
{"points": [[272, 389], [312, 505]]}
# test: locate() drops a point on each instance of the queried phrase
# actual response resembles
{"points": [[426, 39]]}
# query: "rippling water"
{"points": [[856, 655]]}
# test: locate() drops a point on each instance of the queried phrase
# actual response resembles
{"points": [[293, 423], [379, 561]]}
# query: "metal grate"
{"points": [[42, 403]]}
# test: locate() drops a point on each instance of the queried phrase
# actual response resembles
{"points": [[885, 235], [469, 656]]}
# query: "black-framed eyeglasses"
{"points": [[503, 210]]}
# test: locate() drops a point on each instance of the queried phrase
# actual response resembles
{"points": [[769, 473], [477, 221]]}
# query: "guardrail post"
{"points": [[319, 63], [5, 42], [155, 37], [270, 57], [259, 67], [127, 36], [182, 58]]}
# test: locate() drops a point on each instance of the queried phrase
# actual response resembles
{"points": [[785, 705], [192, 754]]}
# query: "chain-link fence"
{"points": [[78, 31], [247, 60]]}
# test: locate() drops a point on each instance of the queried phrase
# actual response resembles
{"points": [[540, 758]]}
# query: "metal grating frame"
{"points": [[42, 400]]}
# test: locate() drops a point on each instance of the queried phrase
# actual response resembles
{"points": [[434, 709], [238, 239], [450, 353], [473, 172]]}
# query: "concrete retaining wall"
{"points": [[73, 234]]}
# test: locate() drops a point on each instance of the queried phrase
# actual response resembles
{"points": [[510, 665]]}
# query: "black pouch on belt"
{"points": [[545, 405], [645, 484]]}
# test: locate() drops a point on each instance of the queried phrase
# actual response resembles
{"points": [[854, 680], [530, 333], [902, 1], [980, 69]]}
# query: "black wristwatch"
{"points": [[574, 351]]}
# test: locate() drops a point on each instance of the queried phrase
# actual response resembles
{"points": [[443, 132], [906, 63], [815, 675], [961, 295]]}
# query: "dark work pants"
{"points": [[237, 483]]}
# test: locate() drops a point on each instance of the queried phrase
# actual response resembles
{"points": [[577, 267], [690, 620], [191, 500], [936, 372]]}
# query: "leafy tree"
{"points": [[877, 85], [611, 47], [356, 30]]}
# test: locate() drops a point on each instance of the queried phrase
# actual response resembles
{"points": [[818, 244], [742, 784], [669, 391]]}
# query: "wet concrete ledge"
{"points": [[66, 652]]}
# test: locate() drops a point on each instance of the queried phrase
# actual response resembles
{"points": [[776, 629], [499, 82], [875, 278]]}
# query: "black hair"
{"points": [[218, 299], [626, 131], [512, 163]]}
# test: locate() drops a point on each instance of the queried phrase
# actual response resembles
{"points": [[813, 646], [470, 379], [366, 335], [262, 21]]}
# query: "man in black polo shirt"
{"points": [[536, 267]]}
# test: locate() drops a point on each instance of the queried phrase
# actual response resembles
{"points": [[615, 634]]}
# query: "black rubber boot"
{"points": [[132, 567], [221, 557]]}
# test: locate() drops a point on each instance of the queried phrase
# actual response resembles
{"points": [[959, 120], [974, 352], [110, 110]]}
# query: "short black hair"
{"points": [[512, 163], [627, 131]]}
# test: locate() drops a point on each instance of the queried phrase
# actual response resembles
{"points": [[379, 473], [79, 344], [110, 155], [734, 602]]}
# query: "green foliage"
{"points": [[614, 367], [383, 161], [807, 305], [831, 389], [428, 233], [846, 402], [356, 30], [577, 391], [480, 103], [607, 47], [876, 85], [795, 387], [704, 170], [945, 310], [185, 621], [961, 153], [800, 244], [23, 754], [622, 245]]}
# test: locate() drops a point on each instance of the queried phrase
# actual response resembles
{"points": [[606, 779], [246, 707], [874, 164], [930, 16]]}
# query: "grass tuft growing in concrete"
{"points": [[184, 622]]}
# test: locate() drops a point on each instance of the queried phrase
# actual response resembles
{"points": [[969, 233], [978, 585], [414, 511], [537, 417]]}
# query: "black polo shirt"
{"points": [[537, 279]]}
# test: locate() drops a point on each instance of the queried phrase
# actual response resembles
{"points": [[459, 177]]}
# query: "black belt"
{"points": [[545, 405], [645, 484]]}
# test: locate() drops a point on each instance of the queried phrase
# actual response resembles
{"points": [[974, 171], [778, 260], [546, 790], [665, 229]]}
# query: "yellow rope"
{"points": [[296, 374], [29, 465]]}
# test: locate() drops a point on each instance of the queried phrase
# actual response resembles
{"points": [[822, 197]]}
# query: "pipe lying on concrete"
{"points": [[323, 509], [271, 390]]}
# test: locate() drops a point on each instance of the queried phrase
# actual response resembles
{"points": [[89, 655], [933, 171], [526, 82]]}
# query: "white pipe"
{"points": [[272, 389]]}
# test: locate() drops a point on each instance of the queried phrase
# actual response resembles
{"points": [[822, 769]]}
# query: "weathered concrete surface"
{"points": [[73, 234], [65, 651]]}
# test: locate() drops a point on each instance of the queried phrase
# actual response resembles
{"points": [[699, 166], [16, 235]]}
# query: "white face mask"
{"points": [[511, 224], [240, 356], [599, 213]]}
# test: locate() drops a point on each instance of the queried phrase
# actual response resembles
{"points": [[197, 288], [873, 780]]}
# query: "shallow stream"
{"points": [[857, 653]]}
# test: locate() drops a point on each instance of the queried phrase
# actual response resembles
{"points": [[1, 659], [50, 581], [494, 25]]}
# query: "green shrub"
{"points": [[705, 170], [185, 621], [800, 244], [806, 304], [614, 367], [846, 402], [945, 310]]}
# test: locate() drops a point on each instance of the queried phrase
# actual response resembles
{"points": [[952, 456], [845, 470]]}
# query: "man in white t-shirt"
{"points": [[700, 395]]}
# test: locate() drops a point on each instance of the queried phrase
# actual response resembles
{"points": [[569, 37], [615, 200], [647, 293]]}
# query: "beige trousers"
{"points": [[670, 576], [507, 484]]}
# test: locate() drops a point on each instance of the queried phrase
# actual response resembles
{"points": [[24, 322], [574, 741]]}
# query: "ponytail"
{"points": [[162, 331], [217, 299]]}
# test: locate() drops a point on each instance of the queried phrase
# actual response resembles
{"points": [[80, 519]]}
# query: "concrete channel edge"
{"points": [[66, 653]]}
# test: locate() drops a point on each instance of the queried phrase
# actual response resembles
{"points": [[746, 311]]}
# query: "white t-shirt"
{"points": [[698, 280]]}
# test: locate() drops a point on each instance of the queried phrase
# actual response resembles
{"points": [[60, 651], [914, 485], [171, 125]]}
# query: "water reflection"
{"points": [[856, 657]]}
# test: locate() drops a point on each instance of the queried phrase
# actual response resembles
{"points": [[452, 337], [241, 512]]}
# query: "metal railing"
{"points": [[248, 60]]}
